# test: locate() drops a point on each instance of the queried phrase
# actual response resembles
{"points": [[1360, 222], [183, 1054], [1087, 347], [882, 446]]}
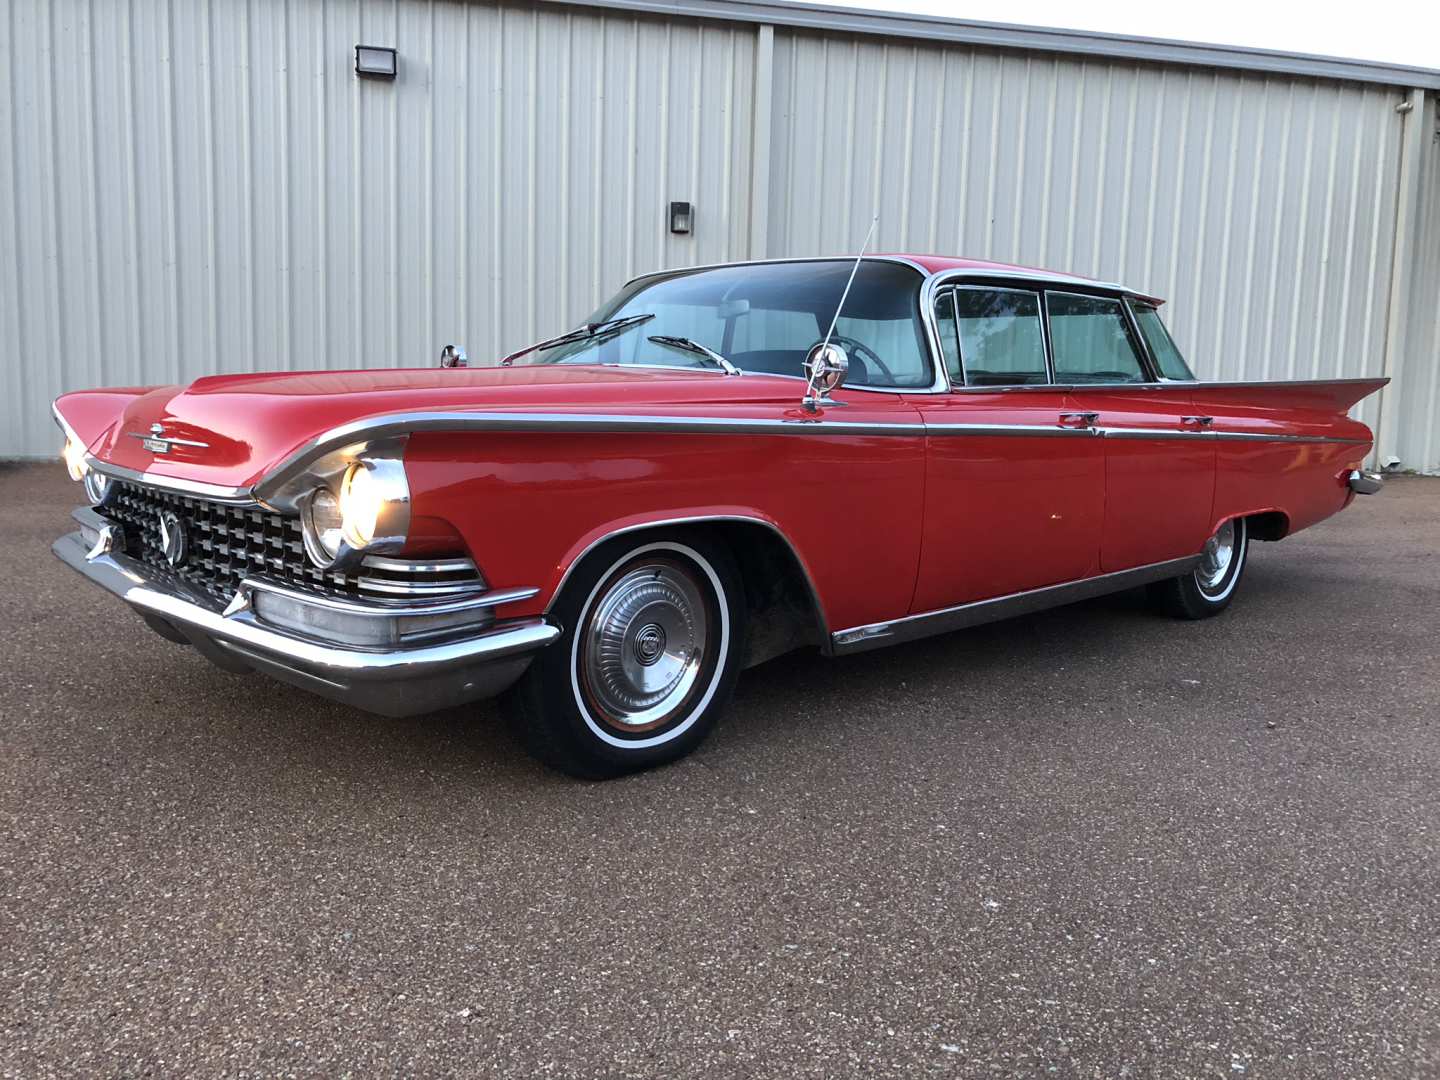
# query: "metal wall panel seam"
{"points": [[1402, 258]]}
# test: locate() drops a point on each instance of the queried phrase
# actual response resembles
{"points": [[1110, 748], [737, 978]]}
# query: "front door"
{"points": [[1159, 456], [1014, 493]]}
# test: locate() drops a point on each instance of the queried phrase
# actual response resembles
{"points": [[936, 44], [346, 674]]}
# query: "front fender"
{"points": [[530, 504]]}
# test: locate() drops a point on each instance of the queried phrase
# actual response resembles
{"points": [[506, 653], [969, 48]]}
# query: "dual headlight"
{"points": [[366, 510], [97, 485]]}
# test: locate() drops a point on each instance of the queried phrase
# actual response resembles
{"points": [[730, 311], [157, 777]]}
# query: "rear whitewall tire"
{"points": [[1209, 588]]}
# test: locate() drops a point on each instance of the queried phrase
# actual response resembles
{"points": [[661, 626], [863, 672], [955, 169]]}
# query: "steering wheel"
{"points": [[867, 355]]}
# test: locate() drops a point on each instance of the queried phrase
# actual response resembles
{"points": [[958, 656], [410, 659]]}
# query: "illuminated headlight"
{"points": [[74, 455], [370, 513]]}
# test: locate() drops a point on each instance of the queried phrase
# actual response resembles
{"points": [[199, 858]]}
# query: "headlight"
{"points": [[321, 521], [74, 455], [361, 500], [370, 513], [98, 486]]}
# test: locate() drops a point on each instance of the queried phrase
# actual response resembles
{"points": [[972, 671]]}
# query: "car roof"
{"points": [[941, 264], [931, 265]]}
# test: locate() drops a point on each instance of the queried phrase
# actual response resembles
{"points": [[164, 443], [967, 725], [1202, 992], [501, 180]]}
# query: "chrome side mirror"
{"points": [[453, 356], [826, 366]]}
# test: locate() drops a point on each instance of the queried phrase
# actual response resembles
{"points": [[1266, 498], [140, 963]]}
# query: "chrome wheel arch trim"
{"points": [[697, 519], [669, 735]]}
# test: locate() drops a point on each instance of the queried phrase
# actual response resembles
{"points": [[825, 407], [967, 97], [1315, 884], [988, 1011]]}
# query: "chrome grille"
{"points": [[230, 543]]}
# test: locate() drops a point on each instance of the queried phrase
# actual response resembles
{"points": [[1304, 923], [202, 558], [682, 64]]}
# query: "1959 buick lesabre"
{"points": [[721, 465]]}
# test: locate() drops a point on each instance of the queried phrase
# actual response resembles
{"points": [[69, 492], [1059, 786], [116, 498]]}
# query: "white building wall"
{"points": [[1416, 418], [199, 187], [1261, 207]]}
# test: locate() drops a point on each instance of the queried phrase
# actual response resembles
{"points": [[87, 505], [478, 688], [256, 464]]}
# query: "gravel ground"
{"points": [[1089, 843]]}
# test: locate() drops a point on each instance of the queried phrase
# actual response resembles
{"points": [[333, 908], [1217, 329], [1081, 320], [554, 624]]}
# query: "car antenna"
{"points": [[826, 369]]}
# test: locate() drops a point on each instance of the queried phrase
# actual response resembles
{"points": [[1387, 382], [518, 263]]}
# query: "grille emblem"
{"points": [[173, 541]]}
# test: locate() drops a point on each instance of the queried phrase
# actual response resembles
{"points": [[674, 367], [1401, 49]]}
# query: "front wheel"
{"points": [[1208, 589], [653, 633]]}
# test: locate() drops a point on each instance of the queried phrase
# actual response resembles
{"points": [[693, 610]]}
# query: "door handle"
{"points": [[1078, 419], [1197, 421]]}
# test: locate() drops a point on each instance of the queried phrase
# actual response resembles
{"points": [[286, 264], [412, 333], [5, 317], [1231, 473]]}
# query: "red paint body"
{"points": [[885, 525]]}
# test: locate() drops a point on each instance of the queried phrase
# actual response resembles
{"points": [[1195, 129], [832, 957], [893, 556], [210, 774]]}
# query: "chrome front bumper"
{"points": [[407, 677]]}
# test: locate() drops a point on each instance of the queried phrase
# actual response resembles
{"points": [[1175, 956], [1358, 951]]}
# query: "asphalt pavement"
{"points": [[1091, 843]]}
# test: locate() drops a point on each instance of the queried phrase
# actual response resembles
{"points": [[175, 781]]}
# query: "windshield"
{"points": [[765, 318]]}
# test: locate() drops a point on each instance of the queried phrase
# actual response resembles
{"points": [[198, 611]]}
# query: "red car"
{"points": [[722, 464]]}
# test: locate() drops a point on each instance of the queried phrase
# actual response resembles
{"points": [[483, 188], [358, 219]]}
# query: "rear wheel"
{"points": [[653, 629], [1208, 589]]}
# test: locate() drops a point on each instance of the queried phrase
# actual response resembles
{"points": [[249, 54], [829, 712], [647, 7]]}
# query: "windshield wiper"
{"points": [[600, 331], [684, 344]]}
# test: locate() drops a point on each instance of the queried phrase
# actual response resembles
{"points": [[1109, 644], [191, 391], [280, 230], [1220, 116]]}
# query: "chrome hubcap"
{"points": [[643, 646], [1216, 557]]}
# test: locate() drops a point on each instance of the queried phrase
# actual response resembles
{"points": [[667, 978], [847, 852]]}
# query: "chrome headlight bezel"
{"points": [[372, 496], [98, 486]]}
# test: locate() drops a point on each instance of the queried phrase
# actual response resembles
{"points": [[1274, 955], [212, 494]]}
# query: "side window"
{"points": [[1001, 341], [1167, 357], [1091, 340], [949, 343]]}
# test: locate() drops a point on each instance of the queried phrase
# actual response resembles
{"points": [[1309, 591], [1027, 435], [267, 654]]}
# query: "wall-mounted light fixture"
{"points": [[682, 217], [375, 62]]}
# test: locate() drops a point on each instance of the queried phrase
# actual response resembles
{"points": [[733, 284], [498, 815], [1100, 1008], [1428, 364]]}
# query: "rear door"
{"points": [[1159, 453], [1014, 491]]}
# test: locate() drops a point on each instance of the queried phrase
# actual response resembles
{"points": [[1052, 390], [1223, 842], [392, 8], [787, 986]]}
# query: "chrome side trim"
{"points": [[1044, 431], [1162, 384], [1156, 433], [396, 423], [377, 427], [944, 620], [1363, 483], [698, 520], [1260, 436]]}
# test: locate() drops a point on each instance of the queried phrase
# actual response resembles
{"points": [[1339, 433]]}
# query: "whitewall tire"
{"points": [[653, 630]]}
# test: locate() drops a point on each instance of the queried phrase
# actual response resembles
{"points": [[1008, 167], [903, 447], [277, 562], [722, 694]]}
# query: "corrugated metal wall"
{"points": [[1417, 420], [199, 187], [1261, 207], [193, 187]]}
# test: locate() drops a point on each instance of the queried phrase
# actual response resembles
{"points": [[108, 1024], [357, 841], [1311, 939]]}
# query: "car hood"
{"points": [[245, 424]]}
